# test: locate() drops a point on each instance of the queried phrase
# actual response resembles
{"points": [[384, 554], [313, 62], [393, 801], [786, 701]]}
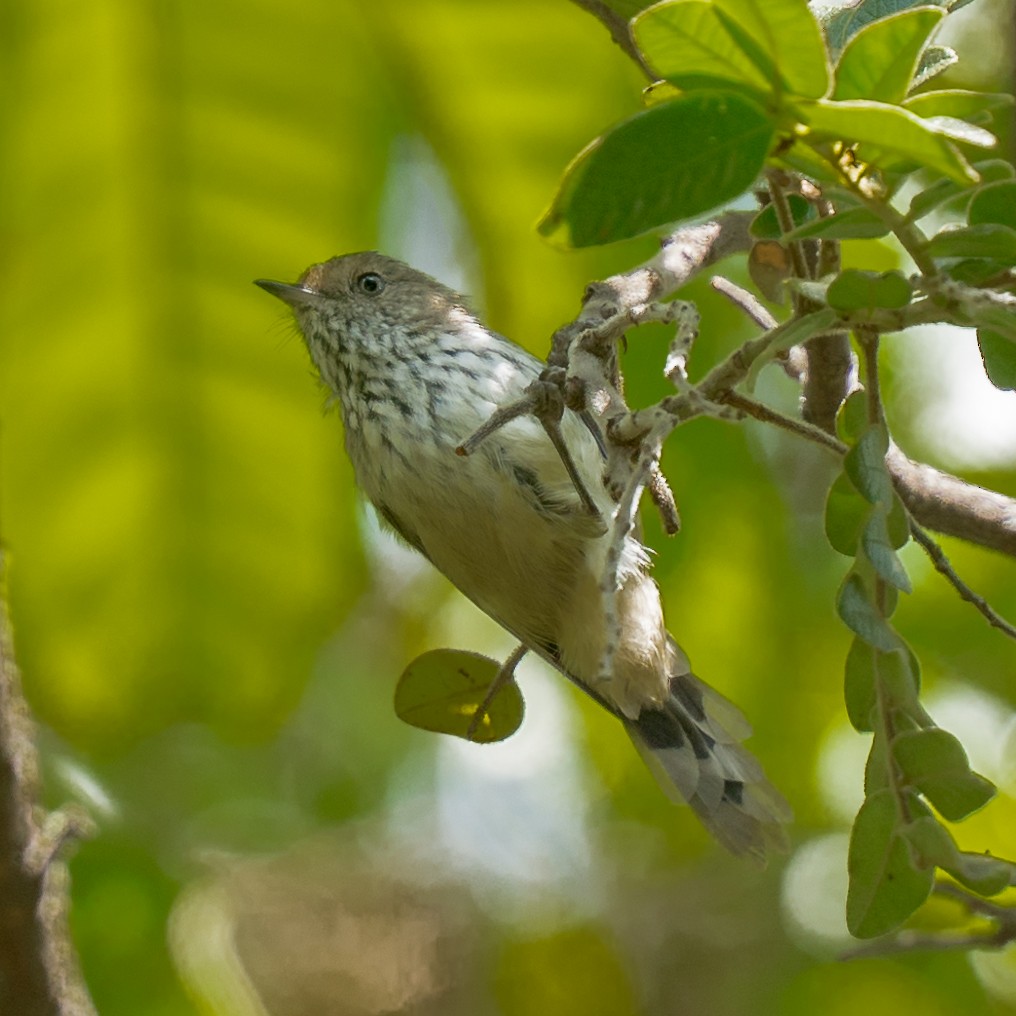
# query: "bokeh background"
{"points": [[210, 623]]}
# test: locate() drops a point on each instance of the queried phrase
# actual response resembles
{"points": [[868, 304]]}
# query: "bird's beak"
{"points": [[287, 292]]}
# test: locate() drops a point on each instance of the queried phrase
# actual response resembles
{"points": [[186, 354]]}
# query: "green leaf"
{"points": [[934, 845], [669, 163], [443, 690], [845, 515], [888, 137], [841, 22], [811, 289], [876, 766], [854, 290], [687, 43], [982, 873], [858, 612], [850, 224], [852, 419], [879, 61], [995, 318], [790, 41], [999, 356], [885, 886], [934, 60], [943, 190], [899, 674], [985, 240], [977, 271], [931, 841], [765, 225], [934, 761], [898, 523], [976, 107], [859, 685], [961, 131], [795, 153], [868, 669], [767, 47], [879, 550], [865, 465], [994, 203]]}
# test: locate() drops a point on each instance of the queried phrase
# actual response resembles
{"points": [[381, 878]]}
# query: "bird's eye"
{"points": [[370, 282]]}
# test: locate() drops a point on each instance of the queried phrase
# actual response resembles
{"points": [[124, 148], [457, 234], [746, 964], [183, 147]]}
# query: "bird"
{"points": [[416, 373]]}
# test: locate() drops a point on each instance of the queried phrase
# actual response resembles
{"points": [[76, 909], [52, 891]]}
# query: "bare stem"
{"points": [[942, 565], [799, 427]]}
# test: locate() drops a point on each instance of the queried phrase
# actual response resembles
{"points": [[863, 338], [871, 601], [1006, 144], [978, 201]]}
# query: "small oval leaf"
{"points": [[999, 356], [765, 225], [443, 691], [859, 685], [936, 764], [994, 202], [859, 614], [854, 289], [985, 240], [852, 419], [878, 546], [865, 465], [885, 886], [845, 515], [850, 224]]}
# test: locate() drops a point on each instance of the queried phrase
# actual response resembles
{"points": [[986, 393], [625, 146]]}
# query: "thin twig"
{"points": [[978, 904], [745, 301], [799, 427], [914, 941], [942, 565], [935, 499]]}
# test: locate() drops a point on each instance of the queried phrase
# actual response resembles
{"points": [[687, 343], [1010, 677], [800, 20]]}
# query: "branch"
{"points": [[936, 500], [827, 380], [38, 969], [829, 363], [682, 256], [952, 506]]}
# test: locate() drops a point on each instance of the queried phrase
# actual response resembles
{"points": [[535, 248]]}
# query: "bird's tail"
{"points": [[692, 745]]}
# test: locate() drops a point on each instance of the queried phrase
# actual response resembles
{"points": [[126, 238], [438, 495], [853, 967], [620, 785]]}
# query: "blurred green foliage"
{"points": [[210, 629]]}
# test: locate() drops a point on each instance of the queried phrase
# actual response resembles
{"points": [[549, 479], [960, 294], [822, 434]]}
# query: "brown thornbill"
{"points": [[416, 374]]}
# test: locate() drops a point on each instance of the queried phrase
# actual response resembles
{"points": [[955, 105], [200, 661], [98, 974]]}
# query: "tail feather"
{"points": [[692, 746]]}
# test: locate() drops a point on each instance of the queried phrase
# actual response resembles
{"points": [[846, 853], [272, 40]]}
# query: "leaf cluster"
{"points": [[898, 840], [743, 85], [832, 110]]}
